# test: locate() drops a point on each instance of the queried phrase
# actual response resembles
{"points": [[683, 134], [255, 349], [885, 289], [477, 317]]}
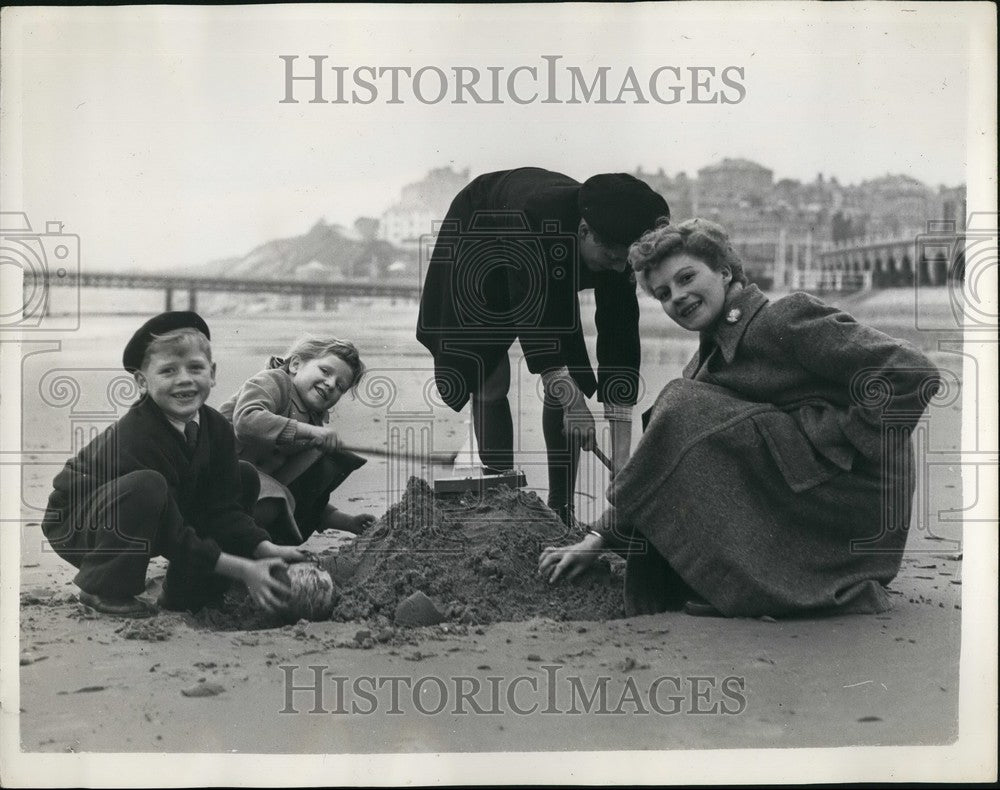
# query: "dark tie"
{"points": [[191, 434]]}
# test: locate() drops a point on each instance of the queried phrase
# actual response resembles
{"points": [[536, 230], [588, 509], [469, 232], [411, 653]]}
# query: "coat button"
{"points": [[734, 315]]}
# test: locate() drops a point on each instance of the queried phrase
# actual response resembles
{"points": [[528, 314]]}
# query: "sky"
{"points": [[158, 135]]}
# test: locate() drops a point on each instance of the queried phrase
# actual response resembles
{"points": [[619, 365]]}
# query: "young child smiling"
{"points": [[164, 480], [281, 417]]}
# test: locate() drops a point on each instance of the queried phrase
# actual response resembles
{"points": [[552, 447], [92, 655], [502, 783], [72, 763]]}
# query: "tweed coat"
{"points": [[205, 486], [505, 266], [776, 476], [265, 413]]}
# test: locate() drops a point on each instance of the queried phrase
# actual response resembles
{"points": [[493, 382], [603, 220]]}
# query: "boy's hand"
{"points": [[263, 581], [267, 549], [578, 424]]}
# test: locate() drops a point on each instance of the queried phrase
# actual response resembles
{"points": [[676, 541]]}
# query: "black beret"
{"points": [[619, 208], [135, 350]]}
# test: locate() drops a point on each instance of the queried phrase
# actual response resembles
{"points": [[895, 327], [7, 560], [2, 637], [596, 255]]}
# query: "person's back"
{"points": [[513, 251]]}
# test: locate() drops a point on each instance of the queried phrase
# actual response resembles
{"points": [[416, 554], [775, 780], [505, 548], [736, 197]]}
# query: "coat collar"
{"points": [[739, 311], [315, 417], [145, 405]]}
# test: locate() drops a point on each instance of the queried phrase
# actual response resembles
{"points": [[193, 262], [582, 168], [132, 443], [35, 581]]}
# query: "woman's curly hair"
{"points": [[697, 237]]}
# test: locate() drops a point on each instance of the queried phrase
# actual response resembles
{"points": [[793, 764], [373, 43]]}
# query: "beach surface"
{"points": [[175, 683]]}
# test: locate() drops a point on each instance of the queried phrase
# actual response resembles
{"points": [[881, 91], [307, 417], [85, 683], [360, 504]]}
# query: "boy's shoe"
{"points": [[121, 607], [701, 609]]}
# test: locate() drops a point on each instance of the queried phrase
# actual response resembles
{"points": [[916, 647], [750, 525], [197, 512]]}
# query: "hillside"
{"points": [[325, 253]]}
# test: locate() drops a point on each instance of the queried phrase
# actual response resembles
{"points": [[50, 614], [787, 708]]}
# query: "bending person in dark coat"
{"points": [[775, 477], [511, 255]]}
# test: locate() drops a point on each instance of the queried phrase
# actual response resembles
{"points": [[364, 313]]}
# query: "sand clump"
{"points": [[475, 558], [155, 629]]}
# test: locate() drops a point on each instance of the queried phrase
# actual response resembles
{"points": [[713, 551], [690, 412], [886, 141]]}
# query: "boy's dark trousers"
{"points": [[129, 520]]}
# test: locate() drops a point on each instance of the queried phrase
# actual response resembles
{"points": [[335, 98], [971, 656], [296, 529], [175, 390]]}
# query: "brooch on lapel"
{"points": [[734, 315]]}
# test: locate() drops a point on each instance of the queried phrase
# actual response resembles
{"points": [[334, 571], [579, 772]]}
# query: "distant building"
{"points": [[779, 228], [950, 205], [732, 182], [676, 191], [891, 206], [421, 204]]}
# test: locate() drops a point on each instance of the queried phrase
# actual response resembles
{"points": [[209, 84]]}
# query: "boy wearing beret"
{"points": [[164, 480]]}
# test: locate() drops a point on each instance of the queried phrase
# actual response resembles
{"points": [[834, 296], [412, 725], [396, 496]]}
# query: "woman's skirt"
{"points": [[731, 497]]}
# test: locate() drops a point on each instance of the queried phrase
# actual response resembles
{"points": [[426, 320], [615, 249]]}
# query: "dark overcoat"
{"points": [[205, 485], [777, 475], [505, 266]]}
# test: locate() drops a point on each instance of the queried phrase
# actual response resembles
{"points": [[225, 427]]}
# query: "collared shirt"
{"points": [[180, 425]]}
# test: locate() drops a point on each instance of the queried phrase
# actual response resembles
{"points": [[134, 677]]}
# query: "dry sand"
{"points": [[182, 683]]}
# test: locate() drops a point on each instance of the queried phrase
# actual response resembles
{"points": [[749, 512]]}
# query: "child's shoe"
{"points": [[121, 607], [700, 608]]}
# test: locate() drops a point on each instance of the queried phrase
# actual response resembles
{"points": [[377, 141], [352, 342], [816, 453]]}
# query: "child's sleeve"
{"points": [[257, 415], [884, 377]]}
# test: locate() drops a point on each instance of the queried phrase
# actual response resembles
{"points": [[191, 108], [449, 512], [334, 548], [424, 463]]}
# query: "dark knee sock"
{"points": [[494, 428], [563, 457]]}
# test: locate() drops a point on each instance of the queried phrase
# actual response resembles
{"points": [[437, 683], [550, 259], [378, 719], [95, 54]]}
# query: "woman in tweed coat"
{"points": [[776, 476]]}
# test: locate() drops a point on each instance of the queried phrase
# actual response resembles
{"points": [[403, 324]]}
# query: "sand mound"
{"points": [[476, 558]]}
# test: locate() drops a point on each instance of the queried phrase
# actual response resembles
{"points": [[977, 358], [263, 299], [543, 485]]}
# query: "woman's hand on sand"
{"points": [[569, 561], [264, 583]]}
